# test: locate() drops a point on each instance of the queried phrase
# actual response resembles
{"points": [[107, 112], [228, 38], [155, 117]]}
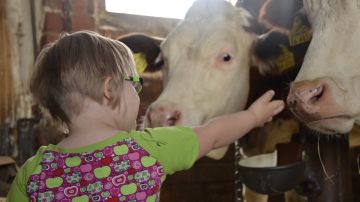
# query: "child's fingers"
{"points": [[277, 106], [266, 97], [278, 110]]}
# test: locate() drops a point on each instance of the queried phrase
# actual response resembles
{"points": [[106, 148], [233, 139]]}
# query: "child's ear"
{"points": [[108, 88]]}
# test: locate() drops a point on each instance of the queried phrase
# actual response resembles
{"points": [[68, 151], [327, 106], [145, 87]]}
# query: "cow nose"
{"points": [[162, 116], [306, 96]]}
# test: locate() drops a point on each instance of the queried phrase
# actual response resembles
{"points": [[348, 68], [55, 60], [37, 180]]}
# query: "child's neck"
{"points": [[95, 123], [85, 137]]}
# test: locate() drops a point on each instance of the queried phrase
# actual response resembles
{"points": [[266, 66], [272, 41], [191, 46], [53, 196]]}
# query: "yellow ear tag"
{"points": [[140, 62], [286, 60], [299, 33]]}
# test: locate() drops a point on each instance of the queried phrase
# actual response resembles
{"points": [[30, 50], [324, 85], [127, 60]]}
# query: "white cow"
{"points": [[207, 67], [326, 92]]}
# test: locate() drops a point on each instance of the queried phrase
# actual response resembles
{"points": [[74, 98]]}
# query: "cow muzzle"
{"points": [[316, 103], [306, 98], [162, 115]]}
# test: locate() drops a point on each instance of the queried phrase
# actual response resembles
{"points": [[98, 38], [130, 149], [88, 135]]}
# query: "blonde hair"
{"points": [[74, 67]]}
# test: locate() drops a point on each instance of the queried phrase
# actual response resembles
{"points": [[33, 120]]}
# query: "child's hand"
{"points": [[264, 109]]}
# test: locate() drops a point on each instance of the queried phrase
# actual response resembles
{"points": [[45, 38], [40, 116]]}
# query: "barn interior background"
{"points": [[26, 26]]}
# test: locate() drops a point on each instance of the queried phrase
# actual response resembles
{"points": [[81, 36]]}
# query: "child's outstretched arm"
{"points": [[224, 130]]}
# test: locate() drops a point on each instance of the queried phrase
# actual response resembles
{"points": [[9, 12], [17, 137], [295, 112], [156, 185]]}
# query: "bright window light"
{"points": [[156, 8]]}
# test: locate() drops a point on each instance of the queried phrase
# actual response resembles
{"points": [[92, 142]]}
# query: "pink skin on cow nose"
{"points": [[305, 98], [163, 116]]}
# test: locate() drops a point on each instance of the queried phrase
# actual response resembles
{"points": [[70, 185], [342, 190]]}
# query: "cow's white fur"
{"points": [[196, 46], [333, 57]]}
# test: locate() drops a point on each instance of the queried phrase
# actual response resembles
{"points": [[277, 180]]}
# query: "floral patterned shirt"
{"points": [[130, 166]]}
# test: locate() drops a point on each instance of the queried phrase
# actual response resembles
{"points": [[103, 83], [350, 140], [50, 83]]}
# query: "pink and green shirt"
{"points": [[129, 166]]}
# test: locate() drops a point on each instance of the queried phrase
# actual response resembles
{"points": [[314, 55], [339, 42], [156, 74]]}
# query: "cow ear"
{"points": [[266, 51], [147, 47]]}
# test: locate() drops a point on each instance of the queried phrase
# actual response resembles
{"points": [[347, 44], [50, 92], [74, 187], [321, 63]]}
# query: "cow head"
{"points": [[206, 66], [205, 63], [325, 95]]}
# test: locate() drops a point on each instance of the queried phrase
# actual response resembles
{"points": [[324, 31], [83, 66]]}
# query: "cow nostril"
{"points": [[320, 95], [291, 100], [173, 118], [317, 94], [292, 103], [161, 116], [171, 121]]}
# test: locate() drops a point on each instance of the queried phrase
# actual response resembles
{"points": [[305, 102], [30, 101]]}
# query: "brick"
{"points": [[90, 6], [53, 22], [79, 6], [81, 22]]}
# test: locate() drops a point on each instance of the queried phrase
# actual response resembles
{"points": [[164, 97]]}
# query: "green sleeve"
{"points": [[176, 148], [18, 187]]}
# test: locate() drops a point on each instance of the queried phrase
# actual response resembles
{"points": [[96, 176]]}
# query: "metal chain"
{"points": [[238, 183]]}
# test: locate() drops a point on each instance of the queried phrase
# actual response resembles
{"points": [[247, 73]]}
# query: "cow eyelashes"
{"points": [[226, 57]]}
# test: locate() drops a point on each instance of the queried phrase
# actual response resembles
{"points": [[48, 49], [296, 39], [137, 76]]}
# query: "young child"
{"points": [[90, 83]]}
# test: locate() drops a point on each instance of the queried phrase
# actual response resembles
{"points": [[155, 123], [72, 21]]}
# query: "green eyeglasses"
{"points": [[137, 82]]}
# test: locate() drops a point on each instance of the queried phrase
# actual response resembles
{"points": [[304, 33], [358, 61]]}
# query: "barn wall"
{"points": [[19, 57], [6, 95], [66, 16]]}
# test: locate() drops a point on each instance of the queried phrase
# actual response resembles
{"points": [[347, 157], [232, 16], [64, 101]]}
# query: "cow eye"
{"points": [[226, 57]]}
